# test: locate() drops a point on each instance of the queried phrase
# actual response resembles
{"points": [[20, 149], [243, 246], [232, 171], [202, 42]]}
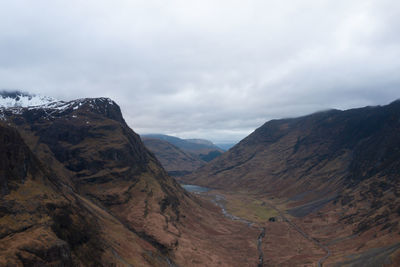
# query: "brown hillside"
{"points": [[44, 223], [142, 216], [335, 173]]}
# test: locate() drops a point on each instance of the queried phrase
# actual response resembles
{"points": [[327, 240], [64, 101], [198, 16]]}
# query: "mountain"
{"points": [[87, 145], [79, 188], [36, 218], [344, 164], [204, 142], [21, 99], [348, 146], [45, 223], [194, 146], [181, 156], [175, 161]]}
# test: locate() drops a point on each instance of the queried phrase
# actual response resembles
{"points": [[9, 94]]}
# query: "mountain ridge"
{"points": [[190, 145], [181, 156], [175, 161]]}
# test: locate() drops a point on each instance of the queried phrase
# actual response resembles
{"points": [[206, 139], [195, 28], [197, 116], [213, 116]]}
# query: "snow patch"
{"points": [[17, 99], [17, 102]]}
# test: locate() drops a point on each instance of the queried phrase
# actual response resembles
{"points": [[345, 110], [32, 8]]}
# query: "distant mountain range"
{"points": [[196, 146], [175, 161], [181, 156]]}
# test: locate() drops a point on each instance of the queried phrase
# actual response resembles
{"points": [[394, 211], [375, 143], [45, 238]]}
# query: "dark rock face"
{"points": [[28, 192], [16, 160], [85, 136], [96, 162]]}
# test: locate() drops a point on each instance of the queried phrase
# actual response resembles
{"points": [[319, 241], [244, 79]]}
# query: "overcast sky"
{"points": [[215, 69]]}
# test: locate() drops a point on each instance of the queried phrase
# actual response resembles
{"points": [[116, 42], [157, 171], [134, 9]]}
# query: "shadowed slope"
{"points": [[43, 222]]}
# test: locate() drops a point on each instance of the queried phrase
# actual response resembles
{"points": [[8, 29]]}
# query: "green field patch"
{"points": [[250, 209]]}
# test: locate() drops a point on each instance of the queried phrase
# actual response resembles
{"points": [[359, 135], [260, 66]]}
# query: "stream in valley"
{"points": [[219, 200]]}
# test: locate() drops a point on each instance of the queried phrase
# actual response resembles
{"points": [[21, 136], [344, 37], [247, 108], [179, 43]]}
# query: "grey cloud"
{"points": [[212, 69]]}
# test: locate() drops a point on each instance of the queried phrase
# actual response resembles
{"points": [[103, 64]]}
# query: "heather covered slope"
{"points": [[348, 160], [144, 216], [334, 174]]}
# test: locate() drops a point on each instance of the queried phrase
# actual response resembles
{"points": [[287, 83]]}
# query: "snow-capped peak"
{"points": [[20, 99], [16, 103]]}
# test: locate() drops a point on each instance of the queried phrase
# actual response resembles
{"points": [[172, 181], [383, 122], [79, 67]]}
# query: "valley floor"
{"points": [[317, 239]]}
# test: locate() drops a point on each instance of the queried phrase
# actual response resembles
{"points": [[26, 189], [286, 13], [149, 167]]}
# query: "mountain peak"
{"points": [[47, 107], [9, 99]]}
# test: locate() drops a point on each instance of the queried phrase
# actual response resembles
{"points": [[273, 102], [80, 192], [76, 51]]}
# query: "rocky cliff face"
{"points": [[97, 154], [39, 225], [100, 198]]}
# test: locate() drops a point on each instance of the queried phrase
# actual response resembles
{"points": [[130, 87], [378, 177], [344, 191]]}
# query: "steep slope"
{"points": [[144, 216], [89, 144], [325, 152], [13, 180], [175, 161], [331, 171], [43, 222]]}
